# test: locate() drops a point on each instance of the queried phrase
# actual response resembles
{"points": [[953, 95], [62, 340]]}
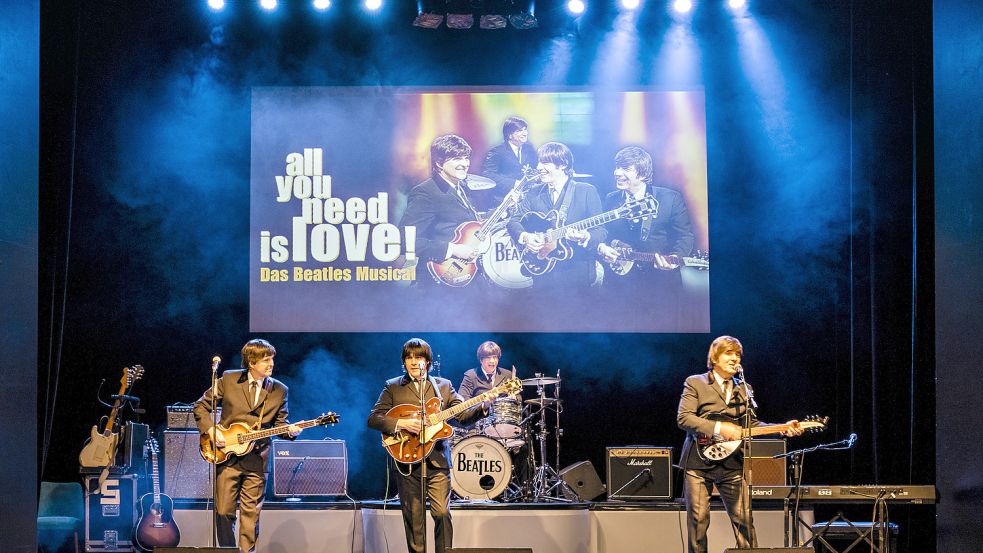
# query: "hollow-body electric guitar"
{"points": [[406, 447], [555, 248], [459, 271], [156, 527], [239, 437], [711, 450], [100, 449]]}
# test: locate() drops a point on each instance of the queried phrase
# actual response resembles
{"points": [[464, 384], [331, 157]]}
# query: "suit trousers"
{"points": [[414, 513], [236, 481], [697, 485]]}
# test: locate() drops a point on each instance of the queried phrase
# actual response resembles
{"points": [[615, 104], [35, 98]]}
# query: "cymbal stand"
{"points": [[547, 483]]}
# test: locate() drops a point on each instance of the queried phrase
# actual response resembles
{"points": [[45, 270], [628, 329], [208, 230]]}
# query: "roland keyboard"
{"points": [[813, 493]]}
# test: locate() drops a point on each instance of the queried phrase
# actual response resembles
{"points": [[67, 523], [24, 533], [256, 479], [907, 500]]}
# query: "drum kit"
{"points": [[504, 454]]}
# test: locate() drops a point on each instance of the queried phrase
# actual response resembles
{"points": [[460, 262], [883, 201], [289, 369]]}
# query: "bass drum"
{"points": [[480, 468], [502, 262]]}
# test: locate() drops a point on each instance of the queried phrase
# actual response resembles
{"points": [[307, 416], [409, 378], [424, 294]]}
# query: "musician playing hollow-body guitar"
{"points": [[666, 236], [405, 390], [254, 397], [717, 394], [569, 201]]}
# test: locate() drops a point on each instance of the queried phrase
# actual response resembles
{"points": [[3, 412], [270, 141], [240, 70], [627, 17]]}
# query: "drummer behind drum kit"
{"points": [[482, 457]]}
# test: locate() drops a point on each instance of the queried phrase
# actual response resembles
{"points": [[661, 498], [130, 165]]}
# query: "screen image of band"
{"points": [[526, 209]]}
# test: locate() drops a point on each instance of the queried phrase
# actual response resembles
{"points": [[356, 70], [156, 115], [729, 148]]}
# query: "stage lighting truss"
{"points": [[491, 14]]}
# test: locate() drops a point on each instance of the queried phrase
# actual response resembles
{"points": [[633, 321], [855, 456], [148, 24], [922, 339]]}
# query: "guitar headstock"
{"points": [[327, 418], [636, 209], [152, 446], [814, 423]]}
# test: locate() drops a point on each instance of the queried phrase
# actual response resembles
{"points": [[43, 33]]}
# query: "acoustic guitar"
{"points": [[156, 526]]}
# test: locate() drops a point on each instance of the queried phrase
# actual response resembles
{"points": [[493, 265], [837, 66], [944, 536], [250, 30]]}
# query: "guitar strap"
{"points": [[561, 216]]}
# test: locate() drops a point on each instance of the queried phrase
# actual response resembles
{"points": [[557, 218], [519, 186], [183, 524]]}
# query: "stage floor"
{"points": [[375, 527]]}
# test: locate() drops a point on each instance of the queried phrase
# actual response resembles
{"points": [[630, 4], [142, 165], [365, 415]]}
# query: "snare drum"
{"points": [[480, 468], [504, 419]]}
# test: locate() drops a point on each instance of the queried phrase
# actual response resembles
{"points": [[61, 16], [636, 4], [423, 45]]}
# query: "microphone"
{"points": [[851, 440], [740, 379], [215, 361]]}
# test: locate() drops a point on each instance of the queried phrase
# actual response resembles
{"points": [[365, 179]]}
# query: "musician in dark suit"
{"points": [[439, 204], [405, 389], [254, 397], [707, 396], [573, 201], [503, 163]]}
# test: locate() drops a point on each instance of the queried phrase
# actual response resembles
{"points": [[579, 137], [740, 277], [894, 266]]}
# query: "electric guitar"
{"points": [[100, 448], [405, 447], [459, 271], [711, 450], [627, 257], [555, 248], [239, 437], [156, 527]]}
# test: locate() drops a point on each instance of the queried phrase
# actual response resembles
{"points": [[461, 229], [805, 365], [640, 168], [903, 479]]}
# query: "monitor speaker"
{"points": [[583, 481]]}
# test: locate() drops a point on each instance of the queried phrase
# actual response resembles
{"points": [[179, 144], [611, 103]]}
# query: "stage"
{"points": [[375, 527]]}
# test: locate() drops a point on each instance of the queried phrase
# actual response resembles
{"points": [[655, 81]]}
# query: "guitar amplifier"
{"points": [[110, 512], [182, 417], [186, 474], [639, 473], [310, 467]]}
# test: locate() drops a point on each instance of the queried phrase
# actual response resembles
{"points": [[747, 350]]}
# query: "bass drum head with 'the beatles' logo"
{"points": [[480, 468]]}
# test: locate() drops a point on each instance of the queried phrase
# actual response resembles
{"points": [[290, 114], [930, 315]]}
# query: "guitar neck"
{"points": [[111, 421], [766, 430], [584, 224], [499, 212], [266, 433], [155, 476], [457, 409]]}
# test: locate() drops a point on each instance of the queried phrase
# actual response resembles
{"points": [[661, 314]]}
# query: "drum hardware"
{"points": [[546, 483]]}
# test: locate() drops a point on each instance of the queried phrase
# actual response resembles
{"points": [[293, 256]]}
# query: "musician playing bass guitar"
{"points": [[254, 397], [710, 409], [405, 390]]}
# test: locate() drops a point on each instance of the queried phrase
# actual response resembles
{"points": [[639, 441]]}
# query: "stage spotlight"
{"points": [[322, 4], [216, 4], [373, 5], [492, 21], [460, 20], [736, 4], [682, 6], [576, 7], [523, 21], [428, 20], [630, 4], [268, 4]]}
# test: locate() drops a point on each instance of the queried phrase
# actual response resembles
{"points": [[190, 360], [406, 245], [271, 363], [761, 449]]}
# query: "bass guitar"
{"points": [[711, 450], [627, 257], [555, 248], [239, 437], [100, 448], [156, 526], [459, 271], [406, 447]]}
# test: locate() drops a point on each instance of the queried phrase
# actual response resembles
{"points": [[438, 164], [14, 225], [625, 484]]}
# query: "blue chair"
{"points": [[61, 515]]}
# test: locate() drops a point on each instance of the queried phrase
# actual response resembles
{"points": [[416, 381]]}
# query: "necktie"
{"points": [[553, 195], [727, 390], [253, 387]]}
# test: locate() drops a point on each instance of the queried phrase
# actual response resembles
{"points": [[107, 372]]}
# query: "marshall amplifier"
{"points": [[310, 467], [110, 512], [639, 473]]}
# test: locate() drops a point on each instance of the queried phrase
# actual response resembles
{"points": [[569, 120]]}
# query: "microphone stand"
{"points": [[749, 406], [423, 447], [214, 469]]}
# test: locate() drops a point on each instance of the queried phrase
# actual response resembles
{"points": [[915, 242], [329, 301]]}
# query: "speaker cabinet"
{"points": [[310, 467], [639, 473], [583, 481], [766, 471], [186, 474], [135, 447]]}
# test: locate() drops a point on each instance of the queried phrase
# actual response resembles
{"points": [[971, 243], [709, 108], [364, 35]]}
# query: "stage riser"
{"points": [[544, 531]]}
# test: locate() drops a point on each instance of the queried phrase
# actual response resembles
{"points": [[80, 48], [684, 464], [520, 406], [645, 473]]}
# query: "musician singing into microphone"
{"points": [[712, 406], [405, 390], [254, 397]]}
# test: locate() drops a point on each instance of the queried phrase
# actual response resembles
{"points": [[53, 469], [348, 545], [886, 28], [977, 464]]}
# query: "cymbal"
{"points": [[540, 401], [541, 381]]}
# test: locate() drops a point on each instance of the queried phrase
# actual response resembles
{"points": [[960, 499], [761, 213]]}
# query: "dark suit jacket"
{"points": [[670, 231], [232, 393], [400, 390], [502, 166], [579, 270], [701, 398], [435, 210]]}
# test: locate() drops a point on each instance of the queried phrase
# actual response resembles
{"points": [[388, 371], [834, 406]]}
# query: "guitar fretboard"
{"points": [[276, 430]]}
